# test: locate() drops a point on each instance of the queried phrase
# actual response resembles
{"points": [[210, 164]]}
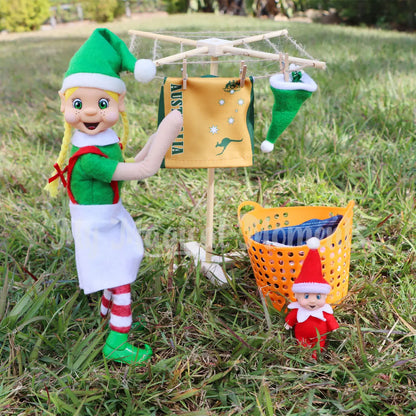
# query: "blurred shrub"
{"points": [[23, 15], [177, 6], [103, 11], [397, 14]]}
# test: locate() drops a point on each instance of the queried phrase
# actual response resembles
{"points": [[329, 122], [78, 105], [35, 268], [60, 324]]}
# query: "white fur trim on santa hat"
{"points": [[311, 287], [91, 80], [307, 83], [144, 70]]}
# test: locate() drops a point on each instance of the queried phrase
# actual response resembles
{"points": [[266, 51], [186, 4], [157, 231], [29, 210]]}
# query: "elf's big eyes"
{"points": [[77, 104], [103, 103]]}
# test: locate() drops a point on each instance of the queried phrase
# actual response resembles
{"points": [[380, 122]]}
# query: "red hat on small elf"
{"points": [[310, 279]]}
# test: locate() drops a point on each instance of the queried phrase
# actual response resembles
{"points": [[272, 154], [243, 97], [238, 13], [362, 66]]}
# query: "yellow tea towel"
{"points": [[218, 122]]}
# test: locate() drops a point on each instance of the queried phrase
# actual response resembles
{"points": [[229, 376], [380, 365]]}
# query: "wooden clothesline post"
{"points": [[209, 229]]}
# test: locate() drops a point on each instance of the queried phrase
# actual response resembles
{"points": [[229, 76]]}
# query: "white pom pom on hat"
{"points": [[313, 243], [144, 70], [266, 146]]}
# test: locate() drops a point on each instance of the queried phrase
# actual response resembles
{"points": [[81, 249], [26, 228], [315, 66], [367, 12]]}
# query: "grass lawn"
{"points": [[215, 351]]}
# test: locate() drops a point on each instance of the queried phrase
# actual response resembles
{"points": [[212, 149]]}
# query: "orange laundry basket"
{"points": [[276, 268]]}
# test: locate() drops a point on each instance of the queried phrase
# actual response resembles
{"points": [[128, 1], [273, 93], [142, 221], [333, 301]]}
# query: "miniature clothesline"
{"points": [[231, 35], [214, 49]]}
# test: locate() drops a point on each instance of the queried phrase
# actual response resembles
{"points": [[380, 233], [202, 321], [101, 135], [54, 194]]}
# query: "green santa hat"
{"points": [[288, 98], [99, 61]]}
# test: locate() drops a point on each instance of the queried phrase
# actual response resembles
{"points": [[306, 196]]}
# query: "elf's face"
{"points": [[91, 110], [311, 301]]}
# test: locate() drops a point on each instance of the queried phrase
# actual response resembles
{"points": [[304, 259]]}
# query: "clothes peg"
{"points": [[184, 74], [243, 71], [286, 68]]}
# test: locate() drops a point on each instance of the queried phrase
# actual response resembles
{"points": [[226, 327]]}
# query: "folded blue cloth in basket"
{"points": [[297, 235]]}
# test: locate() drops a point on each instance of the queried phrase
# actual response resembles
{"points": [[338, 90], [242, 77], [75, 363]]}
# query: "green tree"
{"points": [[103, 11], [23, 15], [397, 14], [177, 6]]}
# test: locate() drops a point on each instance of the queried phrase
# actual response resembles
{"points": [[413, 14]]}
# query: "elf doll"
{"points": [[108, 248], [311, 317]]}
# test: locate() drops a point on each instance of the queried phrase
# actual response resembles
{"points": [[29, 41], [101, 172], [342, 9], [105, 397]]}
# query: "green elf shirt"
{"points": [[91, 176]]}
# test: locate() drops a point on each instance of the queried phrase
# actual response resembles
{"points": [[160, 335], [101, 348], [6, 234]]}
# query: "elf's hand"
{"points": [[148, 161]]}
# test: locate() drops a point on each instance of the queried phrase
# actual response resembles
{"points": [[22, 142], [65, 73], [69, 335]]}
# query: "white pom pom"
{"points": [[144, 70], [313, 243], [266, 147]]}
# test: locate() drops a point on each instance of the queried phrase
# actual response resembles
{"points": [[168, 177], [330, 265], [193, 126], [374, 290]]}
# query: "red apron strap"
{"points": [[74, 158], [60, 174]]}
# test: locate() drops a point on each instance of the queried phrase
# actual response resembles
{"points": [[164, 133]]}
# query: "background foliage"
{"points": [[103, 11], [217, 350], [398, 14], [23, 15]]}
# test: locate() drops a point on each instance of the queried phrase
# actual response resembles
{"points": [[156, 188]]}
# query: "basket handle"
{"points": [[253, 204], [350, 205]]}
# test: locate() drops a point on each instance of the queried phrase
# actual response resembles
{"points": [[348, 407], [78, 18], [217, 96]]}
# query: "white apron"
{"points": [[108, 247]]}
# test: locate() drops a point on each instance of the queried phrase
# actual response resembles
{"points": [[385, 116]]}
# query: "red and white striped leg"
{"points": [[120, 315], [105, 302]]}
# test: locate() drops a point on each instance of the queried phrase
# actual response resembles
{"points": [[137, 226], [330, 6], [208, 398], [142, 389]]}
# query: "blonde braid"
{"points": [[125, 137], [52, 187]]}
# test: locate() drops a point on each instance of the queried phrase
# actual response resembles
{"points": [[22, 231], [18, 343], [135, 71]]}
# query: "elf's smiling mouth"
{"points": [[91, 126]]}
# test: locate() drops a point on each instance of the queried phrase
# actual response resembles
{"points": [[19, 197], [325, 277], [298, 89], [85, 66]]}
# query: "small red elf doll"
{"points": [[108, 248], [311, 317]]}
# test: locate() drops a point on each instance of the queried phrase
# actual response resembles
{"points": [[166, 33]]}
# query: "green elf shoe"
{"points": [[117, 348]]}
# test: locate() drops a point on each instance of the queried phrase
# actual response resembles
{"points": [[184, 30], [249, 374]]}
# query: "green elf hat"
{"points": [[288, 98], [99, 61]]}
